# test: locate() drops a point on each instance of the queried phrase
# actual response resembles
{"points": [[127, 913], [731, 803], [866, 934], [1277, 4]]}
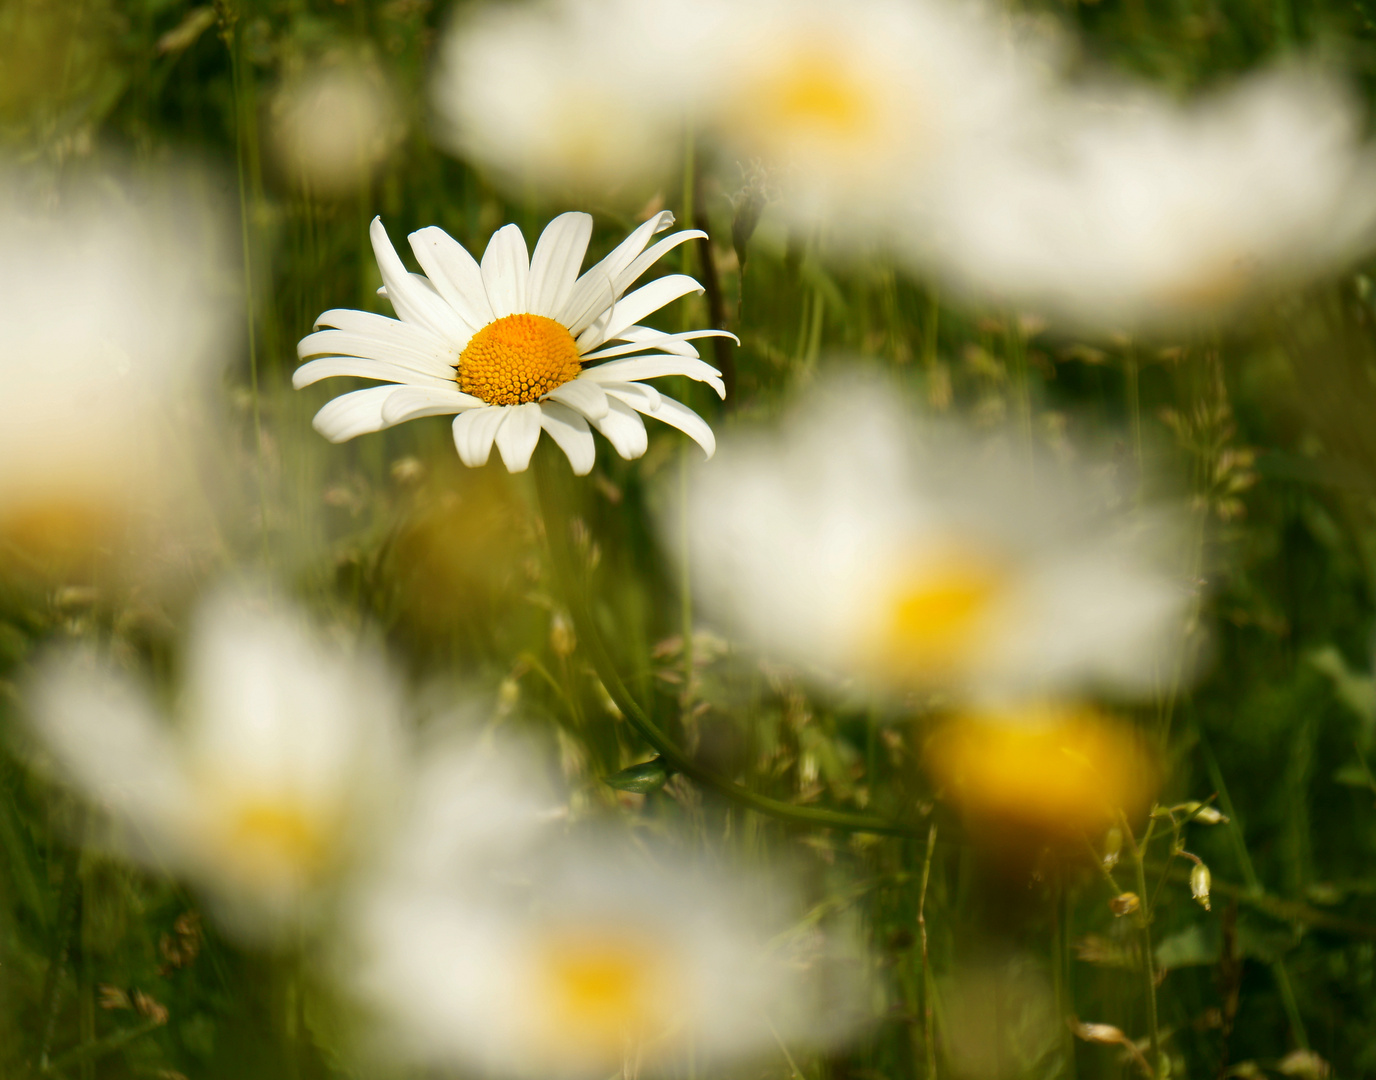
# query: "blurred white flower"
{"points": [[858, 107], [581, 960], [333, 125], [863, 541], [114, 324], [284, 771], [512, 345], [1136, 212], [587, 96]]}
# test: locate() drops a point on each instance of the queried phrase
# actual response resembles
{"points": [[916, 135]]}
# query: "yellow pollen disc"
{"points": [[600, 991], [1058, 772], [518, 358], [813, 96], [267, 838], [937, 615]]}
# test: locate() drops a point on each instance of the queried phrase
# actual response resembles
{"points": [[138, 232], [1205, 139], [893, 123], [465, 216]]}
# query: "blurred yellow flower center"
{"points": [[600, 991], [937, 613], [813, 95], [1057, 771], [267, 837], [518, 358]]}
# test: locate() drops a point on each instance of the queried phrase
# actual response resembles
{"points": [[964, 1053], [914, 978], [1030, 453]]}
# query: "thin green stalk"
{"points": [[552, 512], [1144, 931], [928, 1017]]}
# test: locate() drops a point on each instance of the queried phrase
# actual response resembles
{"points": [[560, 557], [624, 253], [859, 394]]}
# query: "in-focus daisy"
{"points": [[516, 344], [864, 541], [285, 766], [582, 960], [1134, 212]]}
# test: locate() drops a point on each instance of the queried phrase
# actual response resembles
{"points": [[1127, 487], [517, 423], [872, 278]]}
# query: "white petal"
{"points": [[506, 271], [415, 304], [632, 392], [630, 309], [455, 274], [635, 368], [597, 287], [370, 324], [430, 359], [624, 429], [554, 266], [642, 338], [676, 415], [570, 433], [648, 258], [353, 414], [474, 431], [517, 436], [412, 402], [327, 367], [582, 395]]}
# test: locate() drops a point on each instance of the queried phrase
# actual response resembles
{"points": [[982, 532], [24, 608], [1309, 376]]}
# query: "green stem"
{"points": [[1148, 956], [556, 533], [928, 1017]]}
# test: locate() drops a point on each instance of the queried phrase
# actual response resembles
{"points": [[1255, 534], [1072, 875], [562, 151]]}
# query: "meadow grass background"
{"points": [[1268, 426]]}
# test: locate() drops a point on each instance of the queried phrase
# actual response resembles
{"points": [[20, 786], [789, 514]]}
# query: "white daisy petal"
{"points": [[419, 355], [571, 434], [650, 256], [582, 395], [642, 338], [554, 266], [455, 274], [474, 431], [327, 367], [356, 413], [624, 429], [413, 402], [370, 324], [506, 271], [636, 368], [517, 436], [630, 309], [631, 392], [675, 414], [591, 291], [413, 303]]}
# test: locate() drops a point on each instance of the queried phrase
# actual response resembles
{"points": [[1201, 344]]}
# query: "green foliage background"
{"points": [[1268, 427]]}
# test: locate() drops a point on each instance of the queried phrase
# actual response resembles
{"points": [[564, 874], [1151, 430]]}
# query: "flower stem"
{"points": [[1138, 853], [553, 513]]}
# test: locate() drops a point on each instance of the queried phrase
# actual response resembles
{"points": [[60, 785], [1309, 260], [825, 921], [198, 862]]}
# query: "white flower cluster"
{"points": [[454, 903], [934, 130]]}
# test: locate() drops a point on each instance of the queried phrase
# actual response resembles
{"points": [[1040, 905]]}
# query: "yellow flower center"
{"points": [[1056, 771], [937, 615], [518, 358], [810, 96], [271, 838], [600, 991]]}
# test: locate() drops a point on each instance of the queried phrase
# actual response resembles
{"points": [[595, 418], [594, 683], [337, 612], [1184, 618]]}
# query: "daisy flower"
{"points": [[582, 959], [588, 96], [516, 345], [286, 763], [857, 108], [1131, 212], [862, 541], [112, 331]]}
